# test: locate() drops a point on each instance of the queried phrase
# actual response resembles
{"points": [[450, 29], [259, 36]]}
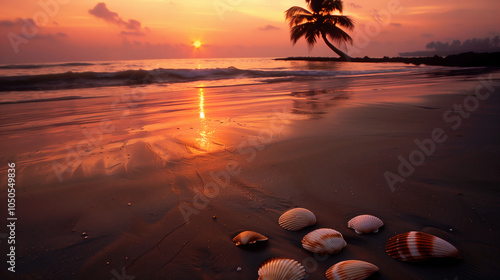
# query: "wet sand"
{"points": [[160, 185]]}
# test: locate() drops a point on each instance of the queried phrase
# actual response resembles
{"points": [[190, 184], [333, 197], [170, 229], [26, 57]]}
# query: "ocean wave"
{"points": [[62, 98], [38, 66], [71, 80]]}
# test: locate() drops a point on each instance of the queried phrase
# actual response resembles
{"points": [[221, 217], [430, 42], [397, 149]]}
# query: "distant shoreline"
{"points": [[469, 59]]}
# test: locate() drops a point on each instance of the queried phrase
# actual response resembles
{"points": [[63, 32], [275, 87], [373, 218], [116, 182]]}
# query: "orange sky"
{"points": [[139, 29]]}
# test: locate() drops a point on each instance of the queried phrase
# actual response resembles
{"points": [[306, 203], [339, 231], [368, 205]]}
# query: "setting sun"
{"points": [[197, 44]]}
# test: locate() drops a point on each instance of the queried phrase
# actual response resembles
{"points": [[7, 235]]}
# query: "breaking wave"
{"points": [[71, 80]]}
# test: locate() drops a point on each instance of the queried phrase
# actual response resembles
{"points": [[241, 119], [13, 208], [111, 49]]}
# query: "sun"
{"points": [[197, 44]]}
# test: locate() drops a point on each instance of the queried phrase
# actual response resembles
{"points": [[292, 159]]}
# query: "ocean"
{"points": [[71, 80]]}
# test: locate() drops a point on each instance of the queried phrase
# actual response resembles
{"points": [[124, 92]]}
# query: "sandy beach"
{"points": [[141, 184]]}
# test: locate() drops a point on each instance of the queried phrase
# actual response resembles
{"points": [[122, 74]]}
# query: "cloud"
{"points": [[17, 22], [456, 47], [50, 36], [132, 24], [7, 23], [355, 6], [101, 11], [380, 18], [427, 35], [396, 24], [269, 27], [31, 25], [132, 33], [133, 27]]}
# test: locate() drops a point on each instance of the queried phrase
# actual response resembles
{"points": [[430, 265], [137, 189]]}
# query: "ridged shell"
{"points": [[281, 269], [351, 270], [297, 219], [248, 237], [365, 224], [324, 240], [419, 246]]}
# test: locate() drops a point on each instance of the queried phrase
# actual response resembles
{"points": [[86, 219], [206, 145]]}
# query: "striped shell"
{"points": [[351, 270], [365, 224], [324, 240], [281, 269], [248, 237], [297, 219], [419, 246]]}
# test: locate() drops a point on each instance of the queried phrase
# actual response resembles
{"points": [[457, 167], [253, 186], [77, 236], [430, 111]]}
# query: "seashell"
{"points": [[248, 237], [365, 224], [281, 269], [351, 270], [419, 246], [324, 240], [297, 219]]}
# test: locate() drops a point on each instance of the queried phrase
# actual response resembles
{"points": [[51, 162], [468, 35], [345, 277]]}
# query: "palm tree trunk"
{"points": [[342, 54]]}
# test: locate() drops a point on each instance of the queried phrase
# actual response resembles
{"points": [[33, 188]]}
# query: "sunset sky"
{"points": [[83, 30]]}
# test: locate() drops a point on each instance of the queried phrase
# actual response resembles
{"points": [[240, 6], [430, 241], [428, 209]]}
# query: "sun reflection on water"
{"points": [[205, 131], [202, 103]]}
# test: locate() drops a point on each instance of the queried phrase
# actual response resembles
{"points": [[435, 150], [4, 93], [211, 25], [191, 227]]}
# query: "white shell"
{"points": [[365, 224], [248, 237], [297, 219], [281, 269], [324, 240], [419, 246], [351, 270]]}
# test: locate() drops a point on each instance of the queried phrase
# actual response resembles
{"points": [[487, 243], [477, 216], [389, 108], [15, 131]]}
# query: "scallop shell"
{"points": [[297, 219], [248, 237], [365, 224], [281, 269], [419, 246], [324, 240], [351, 270]]}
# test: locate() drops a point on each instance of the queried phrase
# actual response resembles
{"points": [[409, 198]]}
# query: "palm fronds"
{"points": [[296, 15], [319, 21], [325, 6], [344, 21]]}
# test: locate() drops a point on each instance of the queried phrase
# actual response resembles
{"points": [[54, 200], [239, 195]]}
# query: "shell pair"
{"points": [[289, 269], [299, 218], [419, 246], [321, 241]]}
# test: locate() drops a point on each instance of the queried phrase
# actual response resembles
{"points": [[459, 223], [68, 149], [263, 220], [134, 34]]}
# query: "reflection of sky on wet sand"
{"points": [[317, 102], [163, 129]]}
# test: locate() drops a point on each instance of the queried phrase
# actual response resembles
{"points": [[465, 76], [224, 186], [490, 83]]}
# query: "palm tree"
{"points": [[318, 21]]}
